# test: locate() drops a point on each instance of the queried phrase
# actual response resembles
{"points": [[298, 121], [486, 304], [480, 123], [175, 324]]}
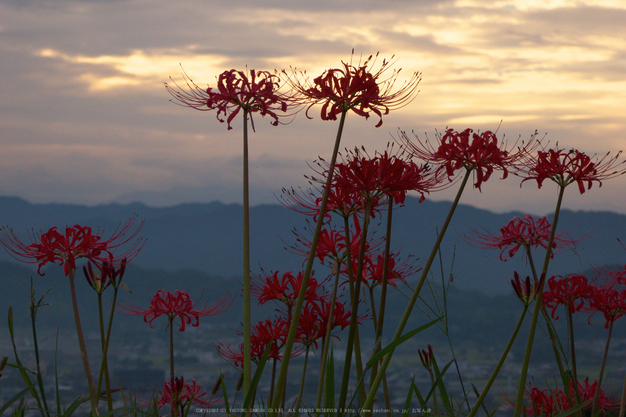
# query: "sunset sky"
{"points": [[85, 117]]}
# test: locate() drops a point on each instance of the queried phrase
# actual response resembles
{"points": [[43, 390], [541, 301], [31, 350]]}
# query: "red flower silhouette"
{"points": [[384, 175], [285, 289], [608, 301], [177, 305], [356, 88], [565, 167], [77, 242], [314, 320], [479, 152], [254, 91], [522, 232], [373, 269], [572, 290], [264, 333], [179, 394], [548, 403]]}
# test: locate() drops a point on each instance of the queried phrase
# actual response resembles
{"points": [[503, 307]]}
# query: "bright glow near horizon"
{"points": [[85, 117]]}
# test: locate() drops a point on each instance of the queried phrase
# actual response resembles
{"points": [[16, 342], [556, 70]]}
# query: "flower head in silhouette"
{"points": [[77, 242], [572, 290], [548, 403], [481, 153], [313, 322], [608, 301], [286, 289], [265, 333], [521, 232], [355, 87], [385, 175], [253, 91], [177, 306], [180, 395], [566, 167]]}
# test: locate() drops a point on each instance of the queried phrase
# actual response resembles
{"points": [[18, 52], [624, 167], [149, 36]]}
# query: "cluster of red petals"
{"points": [[332, 243], [179, 394], [77, 242], [177, 306], [313, 323], [263, 334], [385, 174], [356, 88], [526, 290], [567, 166], [521, 232], [286, 289], [608, 301], [479, 152], [253, 91], [373, 268], [548, 403], [572, 291]]}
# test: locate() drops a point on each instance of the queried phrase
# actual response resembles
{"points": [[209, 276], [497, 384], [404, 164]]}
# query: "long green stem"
{"points": [[107, 339], [105, 364], [83, 347], [284, 366], [383, 301], [33, 316], [306, 360], [416, 292], [326, 344], [247, 319], [606, 352], [495, 372], [538, 304], [354, 308]]}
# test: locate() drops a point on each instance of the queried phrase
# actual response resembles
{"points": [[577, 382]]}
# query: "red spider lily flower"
{"points": [[264, 333], [572, 290], [566, 167], [356, 88], [550, 403], [373, 266], [285, 289], [525, 290], [524, 232], [608, 301], [426, 357], [588, 392], [253, 91], [331, 243], [77, 242], [177, 305], [179, 394], [385, 175], [314, 321], [479, 152]]}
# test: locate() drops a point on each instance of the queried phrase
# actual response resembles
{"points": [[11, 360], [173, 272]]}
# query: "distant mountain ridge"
{"points": [[207, 237]]}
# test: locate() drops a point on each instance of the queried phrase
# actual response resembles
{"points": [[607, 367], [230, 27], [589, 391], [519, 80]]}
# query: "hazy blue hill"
{"points": [[207, 237]]}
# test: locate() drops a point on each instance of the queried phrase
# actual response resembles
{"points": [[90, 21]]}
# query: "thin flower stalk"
{"points": [[326, 343], [538, 307], [405, 317], [284, 366], [93, 397], [526, 294], [354, 308]]}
